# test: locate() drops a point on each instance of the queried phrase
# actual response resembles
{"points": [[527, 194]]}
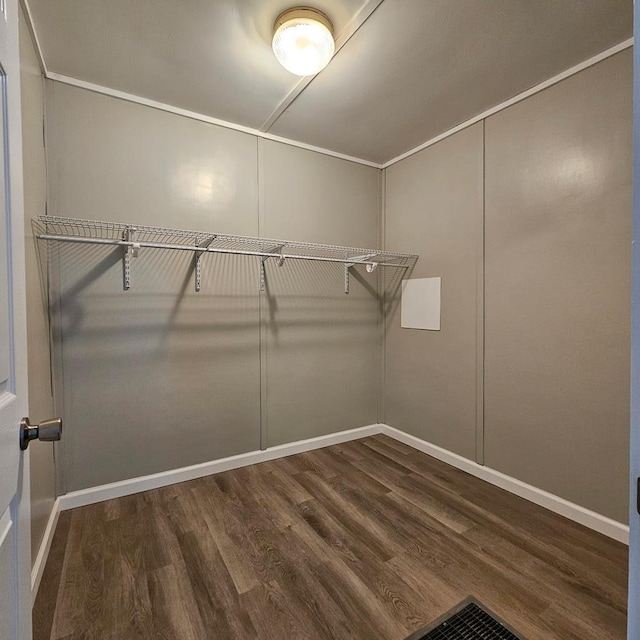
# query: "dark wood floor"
{"points": [[369, 539]]}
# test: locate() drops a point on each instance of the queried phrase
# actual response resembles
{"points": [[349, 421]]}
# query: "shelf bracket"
{"points": [[130, 250], [274, 250], [197, 263], [363, 259]]}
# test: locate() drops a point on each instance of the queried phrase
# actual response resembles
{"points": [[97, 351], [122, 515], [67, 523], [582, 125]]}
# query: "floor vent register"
{"points": [[469, 620]]}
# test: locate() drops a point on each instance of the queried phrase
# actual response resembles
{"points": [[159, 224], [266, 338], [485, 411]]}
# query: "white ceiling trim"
{"points": [[626, 44], [353, 25], [358, 20], [32, 28], [342, 38], [129, 97]]}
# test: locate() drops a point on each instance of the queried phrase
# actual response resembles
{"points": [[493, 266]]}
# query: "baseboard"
{"points": [[145, 483], [574, 512], [595, 521], [43, 552]]}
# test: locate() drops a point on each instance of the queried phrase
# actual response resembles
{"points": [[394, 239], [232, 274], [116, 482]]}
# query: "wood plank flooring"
{"points": [[369, 539]]}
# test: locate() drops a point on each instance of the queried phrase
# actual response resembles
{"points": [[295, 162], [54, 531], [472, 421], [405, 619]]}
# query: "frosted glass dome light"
{"points": [[303, 41]]}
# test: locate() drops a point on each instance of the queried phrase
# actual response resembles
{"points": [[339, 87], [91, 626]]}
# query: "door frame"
{"points": [[633, 610], [20, 508]]}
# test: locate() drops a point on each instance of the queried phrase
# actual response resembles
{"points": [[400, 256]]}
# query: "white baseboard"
{"points": [[43, 552], [554, 503], [574, 512], [595, 521], [145, 483]]}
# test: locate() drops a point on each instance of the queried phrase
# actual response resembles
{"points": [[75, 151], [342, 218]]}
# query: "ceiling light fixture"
{"points": [[303, 40]]}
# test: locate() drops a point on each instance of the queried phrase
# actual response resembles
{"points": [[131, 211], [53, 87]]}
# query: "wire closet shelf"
{"points": [[133, 238]]}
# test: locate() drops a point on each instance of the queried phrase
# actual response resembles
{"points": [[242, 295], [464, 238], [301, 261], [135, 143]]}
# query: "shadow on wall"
{"points": [[162, 296], [318, 285], [163, 292], [159, 376], [391, 288]]}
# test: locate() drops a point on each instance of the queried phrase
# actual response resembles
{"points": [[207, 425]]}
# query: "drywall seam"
{"points": [[263, 308], [43, 551], [581, 515], [382, 296], [480, 299], [161, 106], [590, 62]]}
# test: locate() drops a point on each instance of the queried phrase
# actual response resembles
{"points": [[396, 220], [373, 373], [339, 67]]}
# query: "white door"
{"points": [[15, 599], [633, 627]]}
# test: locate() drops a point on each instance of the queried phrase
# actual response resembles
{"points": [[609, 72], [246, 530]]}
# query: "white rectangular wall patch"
{"points": [[421, 304]]}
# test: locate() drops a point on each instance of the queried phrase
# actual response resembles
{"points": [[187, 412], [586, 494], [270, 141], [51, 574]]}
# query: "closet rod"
{"points": [[200, 249]]}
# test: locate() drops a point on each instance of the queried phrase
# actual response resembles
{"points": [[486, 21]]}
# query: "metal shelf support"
{"points": [[273, 250], [353, 261], [198, 267], [130, 249]]}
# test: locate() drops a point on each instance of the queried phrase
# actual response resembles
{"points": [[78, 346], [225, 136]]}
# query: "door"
{"points": [[633, 627], [15, 598]]}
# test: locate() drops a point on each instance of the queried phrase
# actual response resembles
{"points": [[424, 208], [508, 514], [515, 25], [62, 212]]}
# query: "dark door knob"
{"points": [[48, 430]]}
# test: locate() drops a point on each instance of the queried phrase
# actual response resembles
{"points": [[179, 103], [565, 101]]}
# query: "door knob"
{"points": [[48, 430]]}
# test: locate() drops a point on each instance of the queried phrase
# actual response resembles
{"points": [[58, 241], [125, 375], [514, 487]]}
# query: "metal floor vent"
{"points": [[467, 621]]}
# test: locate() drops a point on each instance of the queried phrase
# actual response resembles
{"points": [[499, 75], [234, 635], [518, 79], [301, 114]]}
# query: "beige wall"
{"points": [[158, 377], [161, 377], [433, 205], [321, 345], [558, 282], [529, 371], [557, 203], [40, 398]]}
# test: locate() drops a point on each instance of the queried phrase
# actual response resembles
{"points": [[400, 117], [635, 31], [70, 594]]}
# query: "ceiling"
{"points": [[405, 71]]}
